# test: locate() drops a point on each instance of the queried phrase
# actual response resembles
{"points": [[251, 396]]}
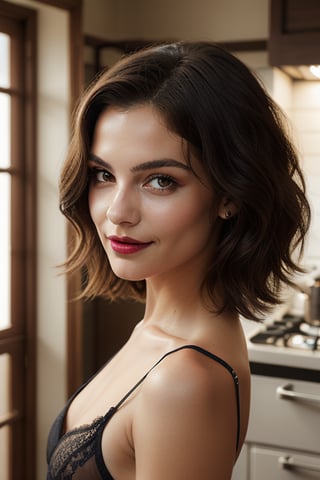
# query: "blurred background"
{"points": [[49, 52]]}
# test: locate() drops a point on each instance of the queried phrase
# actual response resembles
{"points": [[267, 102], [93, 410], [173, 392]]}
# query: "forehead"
{"points": [[139, 125]]}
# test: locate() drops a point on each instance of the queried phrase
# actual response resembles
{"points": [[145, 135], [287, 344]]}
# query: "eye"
{"points": [[99, 175], [161, 182]]}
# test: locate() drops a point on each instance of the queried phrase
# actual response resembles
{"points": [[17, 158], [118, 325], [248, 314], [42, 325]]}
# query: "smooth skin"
{"points": [[181, 423]]}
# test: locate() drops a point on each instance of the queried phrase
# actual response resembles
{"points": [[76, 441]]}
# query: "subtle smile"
{"points": [[127, 245]]}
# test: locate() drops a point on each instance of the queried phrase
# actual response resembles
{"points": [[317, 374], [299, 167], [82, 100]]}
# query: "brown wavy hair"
{"points": [[212, 100]]}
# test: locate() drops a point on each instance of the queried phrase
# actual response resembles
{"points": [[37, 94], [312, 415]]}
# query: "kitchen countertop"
{"points": [[284, 356], [276, 355]]}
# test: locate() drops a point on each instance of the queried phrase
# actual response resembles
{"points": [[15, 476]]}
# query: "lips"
{"points": [[127, 245]]}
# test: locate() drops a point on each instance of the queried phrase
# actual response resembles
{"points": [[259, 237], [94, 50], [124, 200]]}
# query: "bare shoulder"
{"points": [[189, 373], [186, 419]]}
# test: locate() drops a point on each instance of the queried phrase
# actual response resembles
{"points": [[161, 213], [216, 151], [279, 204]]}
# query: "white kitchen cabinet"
{"points": [[240, 468], [283, 440], [272, 464]]}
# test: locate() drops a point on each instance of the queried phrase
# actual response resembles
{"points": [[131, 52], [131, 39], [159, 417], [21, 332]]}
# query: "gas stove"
{"points": [[289, 332], [283, 340]]}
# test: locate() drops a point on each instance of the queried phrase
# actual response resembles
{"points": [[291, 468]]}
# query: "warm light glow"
{"points": [[5, 196], [5, 254], [315, 70], [4, 60]]}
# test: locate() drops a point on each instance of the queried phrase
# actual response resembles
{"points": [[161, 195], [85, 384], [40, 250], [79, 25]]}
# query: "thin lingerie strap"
{"points": [[208, 354]]}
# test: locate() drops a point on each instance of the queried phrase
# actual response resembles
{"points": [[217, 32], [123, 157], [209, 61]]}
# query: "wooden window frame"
{"points": [[19, 340]]}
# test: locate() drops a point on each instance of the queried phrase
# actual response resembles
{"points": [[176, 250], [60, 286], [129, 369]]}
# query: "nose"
{"points": [[124, 207]]}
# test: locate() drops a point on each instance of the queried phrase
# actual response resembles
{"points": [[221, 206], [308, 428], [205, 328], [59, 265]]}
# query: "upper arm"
{"points": [[185, 423]]}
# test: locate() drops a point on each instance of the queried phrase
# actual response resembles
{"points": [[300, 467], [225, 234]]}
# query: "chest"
{"points": [[106, 390]]}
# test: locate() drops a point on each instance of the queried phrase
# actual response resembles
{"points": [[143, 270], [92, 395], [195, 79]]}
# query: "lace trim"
{"points": [[73, 450]]}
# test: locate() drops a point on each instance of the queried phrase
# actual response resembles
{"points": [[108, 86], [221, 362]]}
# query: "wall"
{"points": [[53, 98], [305, 116], [52, 138], [100, 18], [300, 100], [191, 20], [214, 20]]}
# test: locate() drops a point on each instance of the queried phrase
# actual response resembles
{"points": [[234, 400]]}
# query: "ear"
{"points": [[227, 208]]}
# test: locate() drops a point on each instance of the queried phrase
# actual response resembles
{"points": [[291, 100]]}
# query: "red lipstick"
{"points": [[127, 245]]}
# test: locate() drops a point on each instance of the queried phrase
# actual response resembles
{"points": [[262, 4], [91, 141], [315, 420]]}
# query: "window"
{"points": [[17, 242], [5, 182]]}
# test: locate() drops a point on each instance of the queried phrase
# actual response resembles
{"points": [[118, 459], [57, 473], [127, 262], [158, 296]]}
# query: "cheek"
{"points": [[96, 206], [191, 220]]}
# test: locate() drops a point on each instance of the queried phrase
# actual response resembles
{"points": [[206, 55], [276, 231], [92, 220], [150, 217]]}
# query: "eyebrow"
{"points": [[159, 163]]}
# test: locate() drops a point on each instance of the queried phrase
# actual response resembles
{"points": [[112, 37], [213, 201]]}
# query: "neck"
{"points": [[176, 307]]}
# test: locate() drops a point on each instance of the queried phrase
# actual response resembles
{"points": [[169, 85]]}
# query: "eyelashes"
{"points": [[157, 182], [161, 182], [100, 175]]}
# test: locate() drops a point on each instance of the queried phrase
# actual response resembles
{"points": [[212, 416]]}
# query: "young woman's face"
{"points": [[154, 216]]}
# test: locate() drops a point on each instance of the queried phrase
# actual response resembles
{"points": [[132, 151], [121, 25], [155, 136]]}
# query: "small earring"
{"points": [[228, 214]]}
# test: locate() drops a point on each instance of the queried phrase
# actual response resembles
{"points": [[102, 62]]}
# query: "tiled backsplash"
{"points": [[305, 116], [300, 100]]}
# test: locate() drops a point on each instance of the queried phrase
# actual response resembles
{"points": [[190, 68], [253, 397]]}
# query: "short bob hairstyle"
{"points": [[214, 102]]}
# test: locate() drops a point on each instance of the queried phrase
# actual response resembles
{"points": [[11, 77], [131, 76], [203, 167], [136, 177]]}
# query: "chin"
{"points": [[130, 277]]}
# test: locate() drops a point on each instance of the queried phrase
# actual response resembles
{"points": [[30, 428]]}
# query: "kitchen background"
{"points": [[214, 20]]}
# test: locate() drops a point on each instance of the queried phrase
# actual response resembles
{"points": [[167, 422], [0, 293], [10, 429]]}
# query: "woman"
{"points": [[185, 193]]}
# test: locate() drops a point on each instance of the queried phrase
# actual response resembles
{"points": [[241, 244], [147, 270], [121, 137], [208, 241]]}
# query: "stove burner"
{"points": [[310, 329], [303, 342], [291, 332]]}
